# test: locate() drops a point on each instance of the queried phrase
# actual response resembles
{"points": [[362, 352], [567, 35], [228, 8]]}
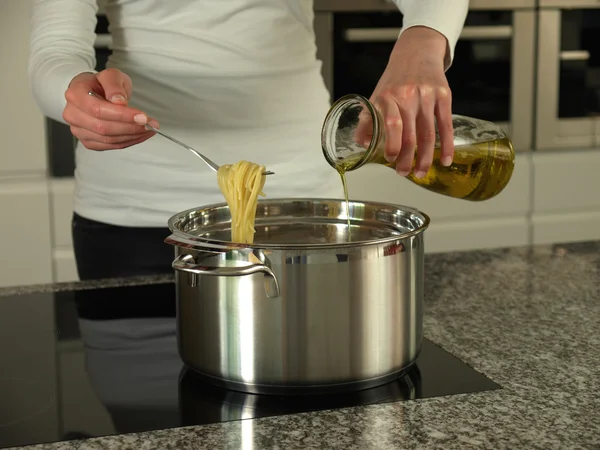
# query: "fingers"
{"points": [[87, 135], [393, 124], [116, 85], [80, 120], [96, 145], [98, 108], [426, 132], [105, 122], [408, 104], [443, 114], [409, 114]]}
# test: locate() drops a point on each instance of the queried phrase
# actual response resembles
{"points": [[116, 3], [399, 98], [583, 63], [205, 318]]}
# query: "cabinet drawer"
{"points": [[477, 234], [566, 181], [566, 227], [25, 241]]}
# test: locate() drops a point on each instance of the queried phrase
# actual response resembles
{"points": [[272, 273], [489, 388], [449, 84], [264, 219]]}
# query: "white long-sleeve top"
{"points": [[237, 79]]}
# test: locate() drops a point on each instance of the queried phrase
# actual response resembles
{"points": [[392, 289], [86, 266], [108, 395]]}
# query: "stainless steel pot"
{"points": [[302, 309]]}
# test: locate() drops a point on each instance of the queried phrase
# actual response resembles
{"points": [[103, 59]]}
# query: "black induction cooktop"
{"points": [[104, 361]]}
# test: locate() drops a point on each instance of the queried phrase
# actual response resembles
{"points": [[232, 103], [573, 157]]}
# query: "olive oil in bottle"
{"points": [[483, 155], [478, 171]]}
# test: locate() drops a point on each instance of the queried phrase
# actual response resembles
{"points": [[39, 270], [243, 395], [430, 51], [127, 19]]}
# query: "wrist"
{"points": [[424, 40]]}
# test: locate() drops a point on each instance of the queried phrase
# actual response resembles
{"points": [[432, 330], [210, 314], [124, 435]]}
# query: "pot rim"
{"points": [[298, 246]]}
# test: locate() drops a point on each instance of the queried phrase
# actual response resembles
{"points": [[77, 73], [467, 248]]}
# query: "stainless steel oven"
{"points": [[568, 75], [60, 142], [492, 76]]}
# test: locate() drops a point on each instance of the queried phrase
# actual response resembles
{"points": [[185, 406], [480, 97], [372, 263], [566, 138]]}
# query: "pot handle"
{"points": [[186, 263]]}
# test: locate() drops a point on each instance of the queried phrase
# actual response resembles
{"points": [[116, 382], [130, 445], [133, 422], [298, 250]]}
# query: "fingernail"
{"points": [[140, 119], [153, 123], [118, 98], [420, 174], [402, 172], [446, 161], [389, 158]]}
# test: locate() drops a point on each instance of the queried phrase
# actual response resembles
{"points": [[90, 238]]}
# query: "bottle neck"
{"points": [[352, 133]]}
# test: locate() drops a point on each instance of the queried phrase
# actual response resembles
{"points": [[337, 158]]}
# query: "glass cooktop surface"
{"points": [[99, 362]]}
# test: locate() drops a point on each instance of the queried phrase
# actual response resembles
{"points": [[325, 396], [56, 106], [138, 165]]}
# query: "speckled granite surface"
{"points": [[58, 287], [527, 318]]}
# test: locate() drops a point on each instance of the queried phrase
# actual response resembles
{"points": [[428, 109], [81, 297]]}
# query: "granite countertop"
{"points": [[529, 318]]}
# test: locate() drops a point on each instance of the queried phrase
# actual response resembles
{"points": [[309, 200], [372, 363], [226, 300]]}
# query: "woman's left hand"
{"points": [[411, 92]]}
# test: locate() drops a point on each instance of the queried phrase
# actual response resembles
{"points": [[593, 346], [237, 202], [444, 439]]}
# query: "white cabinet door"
{"points": [[25, 241], [566, 200], [22, 128]]}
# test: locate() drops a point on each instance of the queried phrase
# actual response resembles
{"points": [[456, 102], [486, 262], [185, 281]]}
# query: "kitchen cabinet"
{"points": [[476, 233], [25, 239], [566, 204], [23, 149]]}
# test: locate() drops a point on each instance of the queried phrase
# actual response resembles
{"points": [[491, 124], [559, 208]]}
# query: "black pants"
{"points": [[109, 251]]}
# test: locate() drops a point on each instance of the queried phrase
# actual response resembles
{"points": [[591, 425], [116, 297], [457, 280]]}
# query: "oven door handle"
{"points": [[103, 41], [469, 33], [574, 55]]}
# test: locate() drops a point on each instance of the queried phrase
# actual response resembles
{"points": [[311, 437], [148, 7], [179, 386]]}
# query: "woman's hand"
{"points": [[105, 123], [411, 92]]}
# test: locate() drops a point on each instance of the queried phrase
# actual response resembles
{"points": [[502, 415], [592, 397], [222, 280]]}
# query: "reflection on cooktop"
{"points": [[437, 373], [115, 364]]}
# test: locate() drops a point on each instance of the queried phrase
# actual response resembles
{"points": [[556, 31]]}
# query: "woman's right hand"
{"points": [[105, 122]]}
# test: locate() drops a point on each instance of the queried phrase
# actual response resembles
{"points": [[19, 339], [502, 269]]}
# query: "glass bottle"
{"points": [[483, 161]]}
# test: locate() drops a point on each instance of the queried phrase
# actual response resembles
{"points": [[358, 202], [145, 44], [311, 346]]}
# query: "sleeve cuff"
{"points": [[445, 17]]}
